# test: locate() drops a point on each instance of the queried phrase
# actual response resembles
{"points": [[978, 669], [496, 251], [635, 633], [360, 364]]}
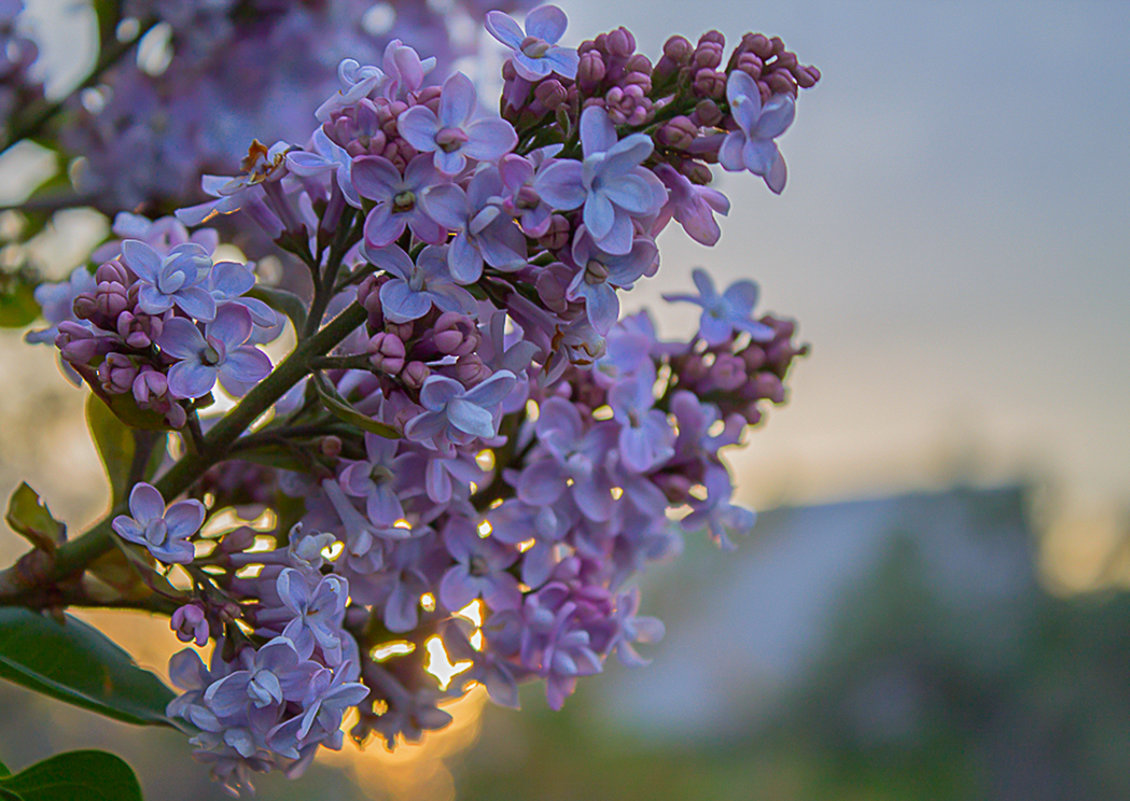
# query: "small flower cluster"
{"points": [[18, 87], [158, 321], [146, 133], [476, 468]]}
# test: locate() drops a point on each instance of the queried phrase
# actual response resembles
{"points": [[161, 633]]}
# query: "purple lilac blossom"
{"points": [[725, 313], [164, 532], [751, 146], [397, 198], [216, 354], [172, 279], [536, 53], [451, 134]]}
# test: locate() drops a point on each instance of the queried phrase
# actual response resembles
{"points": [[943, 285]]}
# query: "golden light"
{"points": [[332, 551], [616, 493], [525, 545], [387, 650], [532, 410], [472, 612], [484, 528], [402, 523], [602, 412], [439, 664], [485, 459], [428, 602]]}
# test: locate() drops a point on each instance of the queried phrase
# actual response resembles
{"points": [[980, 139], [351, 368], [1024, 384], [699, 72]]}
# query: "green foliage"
{"points": [[340, 408], [31, 519], [17, 301], [124, 452], [74, 776], [76, 663], [109, 14]]}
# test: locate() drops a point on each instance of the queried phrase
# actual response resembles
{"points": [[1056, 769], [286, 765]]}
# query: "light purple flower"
{"points": [[190, 624], [327, 695], [609, 182], [722, 314], [326, 157], [486, 231], [457, 414], [692, 205], [57, 302], [520, 198], [397, 197], [451, 135], [646, 439], [217, 354], [375, 480], [536, 52], [417, 286], [171, 280], [317, 610], [277, 673], [164, 532], [751, 147], [357, 81], [600, 274], [480, 569]]}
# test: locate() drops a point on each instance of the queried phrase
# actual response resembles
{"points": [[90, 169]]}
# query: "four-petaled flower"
{"points": [[457, 414], [721, 314], [164, 532], [536, 52], [751, 147], [171, 280], [452, 135], [216, 354], [397, 197]]}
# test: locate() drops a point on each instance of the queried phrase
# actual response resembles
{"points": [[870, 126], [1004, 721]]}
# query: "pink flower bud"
{"points": [[550, 93], [557, 235], [678, 49], [330, 446], [590, 71], [678, 133], [386, 352], [708, 83], [621, 43], [415, 374]]}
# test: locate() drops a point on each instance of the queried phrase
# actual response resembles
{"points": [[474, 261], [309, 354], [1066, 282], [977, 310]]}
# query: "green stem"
{"points": [[74, 556]]}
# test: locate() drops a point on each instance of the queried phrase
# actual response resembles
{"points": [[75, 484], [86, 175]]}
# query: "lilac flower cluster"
{"points": [[488, 453], [158, 324], [147, 132], [18, 86]]}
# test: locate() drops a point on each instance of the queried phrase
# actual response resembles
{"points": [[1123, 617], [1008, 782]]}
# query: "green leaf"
{"points": [[4, 770], [32, 520], [76, 663], [109, 14], [76, 776], [340, 408], [17, 303], [117, 446], [124, 407], [282, 301], [8, 795]]}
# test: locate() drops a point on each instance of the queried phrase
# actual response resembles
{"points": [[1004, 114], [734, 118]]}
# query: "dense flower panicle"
{"points": [[486, 461]]}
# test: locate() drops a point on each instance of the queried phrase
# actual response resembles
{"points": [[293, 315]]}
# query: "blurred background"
{"points": [[933, 603]]}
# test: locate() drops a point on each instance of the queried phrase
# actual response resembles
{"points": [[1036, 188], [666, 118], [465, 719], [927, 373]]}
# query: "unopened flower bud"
{"points": [[112, 271], [707, 113], [759, 44], [556, 236], [590, 71], [621, 43], [330, 446], [237, 541], [678, 49], [149, 384], [117, 373], [750, 64], [386, 352], [550, 93], [415, 374], [708, 83], [190, 624], [782, 83], [455, 334], [470, 370], [708, 55], [677, 133]]}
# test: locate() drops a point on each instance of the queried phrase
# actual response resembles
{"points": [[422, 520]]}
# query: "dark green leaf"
{"points": [[17, 304], [124, 407], [117, 446], [32, 520], [8, 795], [339, 407], [4, 770], [76, 663], [76, 776], [282, 301], [109, 14]]}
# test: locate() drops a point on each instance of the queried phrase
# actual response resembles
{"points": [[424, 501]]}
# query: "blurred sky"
{"points": [[953, 239]]}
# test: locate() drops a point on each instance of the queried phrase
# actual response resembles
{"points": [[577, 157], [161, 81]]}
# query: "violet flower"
{"points": [[456, 414], [751, 147], [397, 198], [693, 206], [536, 53], [417, 286], [451, 135], [317, 611], [486, 232], [646, 439], [217, 354], [722, 314], [171, 280], [479, 571], [600, 274], [164, 532], [609, 182], [374, 479]]}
